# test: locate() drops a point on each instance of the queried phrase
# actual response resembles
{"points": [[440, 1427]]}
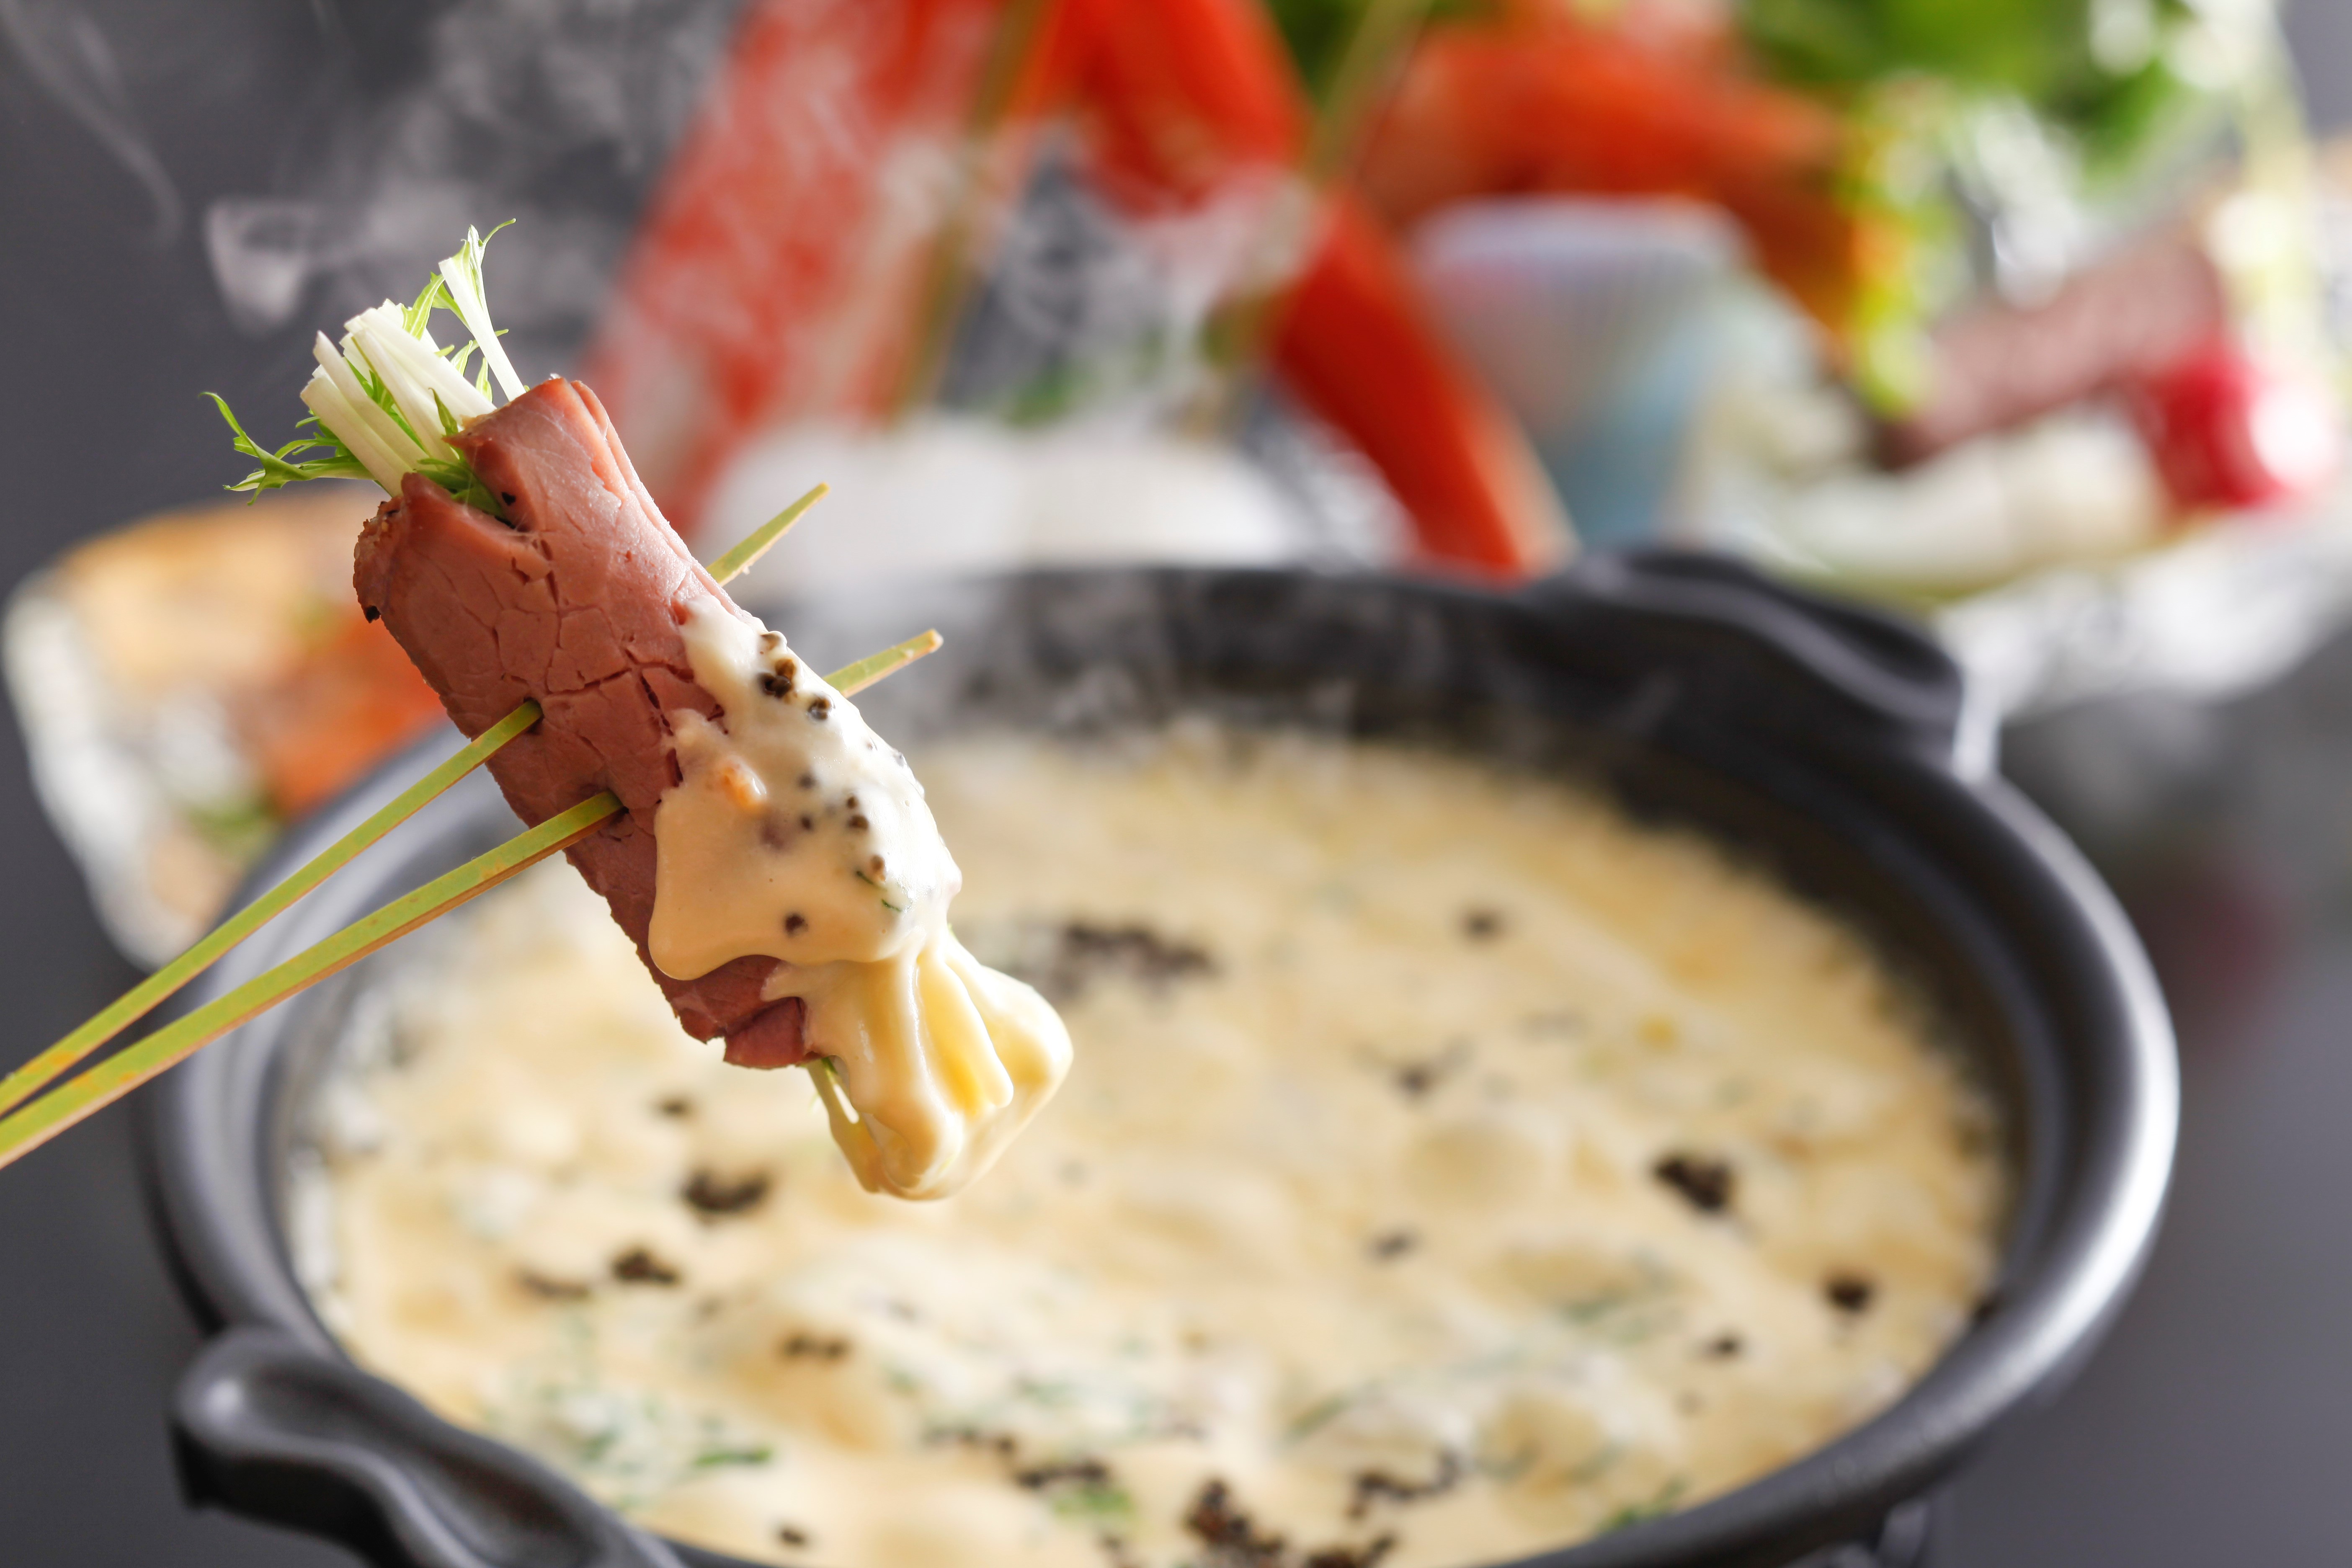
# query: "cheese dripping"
{"points": [[796, 833]]}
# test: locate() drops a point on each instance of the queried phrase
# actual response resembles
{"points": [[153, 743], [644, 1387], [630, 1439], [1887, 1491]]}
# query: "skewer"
{"points": [[141, 999], [37, 1074], [852, 679], [26, 1130], [850, 1134], [23, 1131], [762, 539]]}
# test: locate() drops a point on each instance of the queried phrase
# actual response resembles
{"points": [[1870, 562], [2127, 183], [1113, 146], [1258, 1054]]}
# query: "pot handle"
{"points": [[1905, 683], [269, 1427]]}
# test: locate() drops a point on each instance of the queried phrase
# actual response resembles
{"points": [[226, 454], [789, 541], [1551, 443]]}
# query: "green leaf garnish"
{"points": [[394, 446], [287, 465]]}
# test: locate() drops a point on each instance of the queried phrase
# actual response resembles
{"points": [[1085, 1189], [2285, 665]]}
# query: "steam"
{"points": [[1083, 304], [62, 47], [556, 112]]}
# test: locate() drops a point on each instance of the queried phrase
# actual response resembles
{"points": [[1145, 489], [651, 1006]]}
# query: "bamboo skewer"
{"points": [[765, 538], [852, 679], [139, 1000], [29, 1128], [36, 1075], [23, 1129]]}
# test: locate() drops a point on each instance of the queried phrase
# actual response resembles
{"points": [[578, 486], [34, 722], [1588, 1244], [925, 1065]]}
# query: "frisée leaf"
{"points": [[385, 401]]}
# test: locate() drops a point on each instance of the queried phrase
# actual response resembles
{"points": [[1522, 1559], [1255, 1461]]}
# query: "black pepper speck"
{"points": [[1375, 1486], [715, 1196], [548, 1289], [802, 1345], [1707, 1184], [1085, 1472], [638, 1266], [1849, 1293]]}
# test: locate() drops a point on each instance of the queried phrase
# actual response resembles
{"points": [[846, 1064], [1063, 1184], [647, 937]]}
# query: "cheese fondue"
{"points": [[795, 833], [1451, 1169]]}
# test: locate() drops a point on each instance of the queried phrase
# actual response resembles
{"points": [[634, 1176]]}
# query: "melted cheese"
{"points": [[794, 832], [1361, 1200]]}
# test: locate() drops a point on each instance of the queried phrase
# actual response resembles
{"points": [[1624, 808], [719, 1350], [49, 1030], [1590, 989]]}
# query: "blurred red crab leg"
{"points": [[1182, 96], [780, 267]]}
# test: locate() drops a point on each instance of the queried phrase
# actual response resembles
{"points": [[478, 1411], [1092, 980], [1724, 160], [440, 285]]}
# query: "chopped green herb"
{"points": [[1589, 1310], [1604, 1460], [1320, 1414], [1506, 1468], [751, 1454], [1100, 1502], [1633, 1514], [894, 909], [1051, 1391], [1623, 1317]]}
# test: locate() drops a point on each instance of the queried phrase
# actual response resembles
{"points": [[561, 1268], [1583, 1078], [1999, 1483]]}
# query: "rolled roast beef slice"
{"points": [[574, 602]]}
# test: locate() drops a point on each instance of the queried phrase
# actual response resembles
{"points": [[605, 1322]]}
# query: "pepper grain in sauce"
{"points": [[943, 1059]]}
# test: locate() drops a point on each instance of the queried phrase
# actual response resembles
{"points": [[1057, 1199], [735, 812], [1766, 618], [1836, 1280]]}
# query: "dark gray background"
{"points": [[2214, 1428]]}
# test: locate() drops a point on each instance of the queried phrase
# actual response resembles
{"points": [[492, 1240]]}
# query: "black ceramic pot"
{"points": [[1836, 746]]}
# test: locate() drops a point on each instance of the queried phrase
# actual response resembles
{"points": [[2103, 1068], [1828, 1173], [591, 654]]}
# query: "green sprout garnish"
{"points": [[386, 402]]}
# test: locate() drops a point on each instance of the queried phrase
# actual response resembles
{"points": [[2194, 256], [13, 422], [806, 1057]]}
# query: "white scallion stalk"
{"points": [[322, 397], [387, 399], [413, 371], [367, 420], [465, 291], [366, 352]]}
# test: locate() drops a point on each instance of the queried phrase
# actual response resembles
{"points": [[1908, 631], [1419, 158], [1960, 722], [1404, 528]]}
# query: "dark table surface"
{"points": [[2213, 1427]]}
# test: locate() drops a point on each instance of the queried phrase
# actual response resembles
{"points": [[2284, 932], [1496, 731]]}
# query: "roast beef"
{"points": [[573, 601]]}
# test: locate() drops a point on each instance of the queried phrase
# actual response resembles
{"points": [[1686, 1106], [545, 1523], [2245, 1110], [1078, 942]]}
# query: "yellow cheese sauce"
{"points": [[793, 831], [1451, 1168]]}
